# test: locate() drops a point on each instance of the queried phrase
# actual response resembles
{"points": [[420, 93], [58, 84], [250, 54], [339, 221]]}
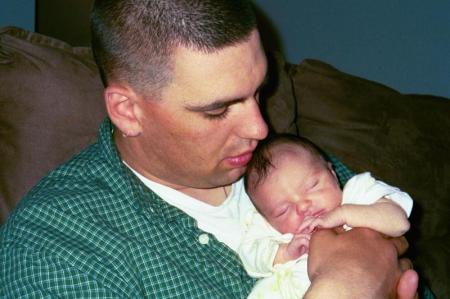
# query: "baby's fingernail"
{"points": [[302, 250]]}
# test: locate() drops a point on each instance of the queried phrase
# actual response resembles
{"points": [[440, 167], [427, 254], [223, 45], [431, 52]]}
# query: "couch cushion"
{"points": [[402, 139], [279, 105], [49, 91]]}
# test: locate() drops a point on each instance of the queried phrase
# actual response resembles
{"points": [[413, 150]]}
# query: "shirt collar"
{"points": [[144, 198]]}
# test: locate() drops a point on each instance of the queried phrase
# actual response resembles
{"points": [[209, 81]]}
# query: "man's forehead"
{"points": [[228, 74]]}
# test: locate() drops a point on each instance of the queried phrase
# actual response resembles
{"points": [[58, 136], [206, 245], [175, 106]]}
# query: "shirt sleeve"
{"points": [[259, 245], [363, 189], [31, 273]]}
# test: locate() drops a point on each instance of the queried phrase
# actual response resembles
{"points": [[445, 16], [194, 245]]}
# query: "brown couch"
{"points": [[51, 105]]}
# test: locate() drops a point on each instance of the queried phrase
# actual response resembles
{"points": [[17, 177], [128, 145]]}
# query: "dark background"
{"points": [[404, 44]]}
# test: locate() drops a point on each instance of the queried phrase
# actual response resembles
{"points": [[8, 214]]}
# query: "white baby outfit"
{"points": [[261, 241]]}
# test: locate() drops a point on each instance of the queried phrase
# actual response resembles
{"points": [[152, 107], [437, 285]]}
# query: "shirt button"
{"points": [[203, 239]]}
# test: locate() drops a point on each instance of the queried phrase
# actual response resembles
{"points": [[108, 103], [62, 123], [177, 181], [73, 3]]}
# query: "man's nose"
{"points": [[253, 125]]}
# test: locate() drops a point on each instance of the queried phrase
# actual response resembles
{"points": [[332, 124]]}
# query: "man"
{"points": [[129, 216]]}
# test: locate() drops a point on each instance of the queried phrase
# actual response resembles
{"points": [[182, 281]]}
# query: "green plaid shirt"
{"points": [[91, 229]]}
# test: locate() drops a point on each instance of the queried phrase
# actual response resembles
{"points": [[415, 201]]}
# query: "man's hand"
{"points": [[360, 263]]}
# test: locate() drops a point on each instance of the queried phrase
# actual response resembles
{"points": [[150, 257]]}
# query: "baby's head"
{"points": [[289, 179]]}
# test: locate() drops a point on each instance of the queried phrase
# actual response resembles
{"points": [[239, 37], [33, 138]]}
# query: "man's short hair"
{"points": [[132, 40]]}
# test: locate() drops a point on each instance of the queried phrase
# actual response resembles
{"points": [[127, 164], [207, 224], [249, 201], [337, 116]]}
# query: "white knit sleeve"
{"points": [[364, 189]]}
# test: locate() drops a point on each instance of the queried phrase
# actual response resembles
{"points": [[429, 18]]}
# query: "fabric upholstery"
{"points": [[50, 108]]}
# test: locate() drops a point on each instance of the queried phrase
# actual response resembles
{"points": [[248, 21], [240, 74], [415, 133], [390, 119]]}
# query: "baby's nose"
{"points": [[304, 206]]}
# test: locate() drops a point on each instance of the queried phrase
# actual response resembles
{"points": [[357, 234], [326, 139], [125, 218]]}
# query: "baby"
{"points": [[295, 189]]}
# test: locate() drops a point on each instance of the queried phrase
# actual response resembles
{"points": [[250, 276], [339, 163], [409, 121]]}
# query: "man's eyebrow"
{"points": [[212, 106], [222, 103]]}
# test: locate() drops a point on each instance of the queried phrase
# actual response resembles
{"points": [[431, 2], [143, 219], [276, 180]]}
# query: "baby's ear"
{"points": [[331, 169]]}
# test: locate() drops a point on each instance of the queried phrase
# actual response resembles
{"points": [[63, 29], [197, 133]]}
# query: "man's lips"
{"points": [[239, 160]]}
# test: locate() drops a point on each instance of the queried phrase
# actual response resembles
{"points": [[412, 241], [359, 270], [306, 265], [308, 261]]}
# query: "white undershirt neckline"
{"points": [[222, 221]]}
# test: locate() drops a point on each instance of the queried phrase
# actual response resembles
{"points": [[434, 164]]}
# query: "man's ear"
{"points": [[121, 104]]}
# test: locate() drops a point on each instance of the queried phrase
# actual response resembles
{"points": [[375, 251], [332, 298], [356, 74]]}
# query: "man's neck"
{"points": [[214, 196]]}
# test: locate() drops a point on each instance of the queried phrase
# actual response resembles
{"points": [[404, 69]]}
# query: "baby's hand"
{"points": [[298, 246], [331, 219], [308, 225]]}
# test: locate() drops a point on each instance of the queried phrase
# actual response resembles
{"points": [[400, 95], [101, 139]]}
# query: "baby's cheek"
{"points": [[294, 224], [338, 202], [283, 226], [278, 225]]}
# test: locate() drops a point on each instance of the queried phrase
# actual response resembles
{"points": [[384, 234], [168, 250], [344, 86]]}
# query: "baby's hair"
{"points": [[261, 162]]}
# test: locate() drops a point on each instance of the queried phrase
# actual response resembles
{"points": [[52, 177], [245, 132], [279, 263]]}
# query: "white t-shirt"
{"points": [[223, 221]]}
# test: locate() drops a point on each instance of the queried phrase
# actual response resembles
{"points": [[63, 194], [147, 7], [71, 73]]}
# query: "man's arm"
{"points": [[358, 264]]}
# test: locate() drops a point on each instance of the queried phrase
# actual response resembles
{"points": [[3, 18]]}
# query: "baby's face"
{"points": [[299, 185]]}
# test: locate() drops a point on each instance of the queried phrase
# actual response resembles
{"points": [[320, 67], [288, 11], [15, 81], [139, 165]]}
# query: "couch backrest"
{"points": [[51, 104]]}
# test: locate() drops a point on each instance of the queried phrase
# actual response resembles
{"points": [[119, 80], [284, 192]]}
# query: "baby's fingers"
{"points": [[298, 246], [307, 225], [330, 220]]}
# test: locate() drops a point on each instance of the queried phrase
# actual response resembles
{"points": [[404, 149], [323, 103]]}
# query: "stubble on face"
{"points": [[181, 147]]}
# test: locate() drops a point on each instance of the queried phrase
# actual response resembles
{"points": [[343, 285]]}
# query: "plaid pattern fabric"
{"points": [[91, 229], [343, 173]]}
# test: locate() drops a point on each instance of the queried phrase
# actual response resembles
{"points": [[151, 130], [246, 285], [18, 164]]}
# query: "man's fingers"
{"points": [[339, 230], [405, 264], [407, 285], [401, 244], [325, 233]]}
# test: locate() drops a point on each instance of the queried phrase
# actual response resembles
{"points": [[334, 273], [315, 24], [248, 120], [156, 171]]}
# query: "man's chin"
{"points": [[230, 177]]}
